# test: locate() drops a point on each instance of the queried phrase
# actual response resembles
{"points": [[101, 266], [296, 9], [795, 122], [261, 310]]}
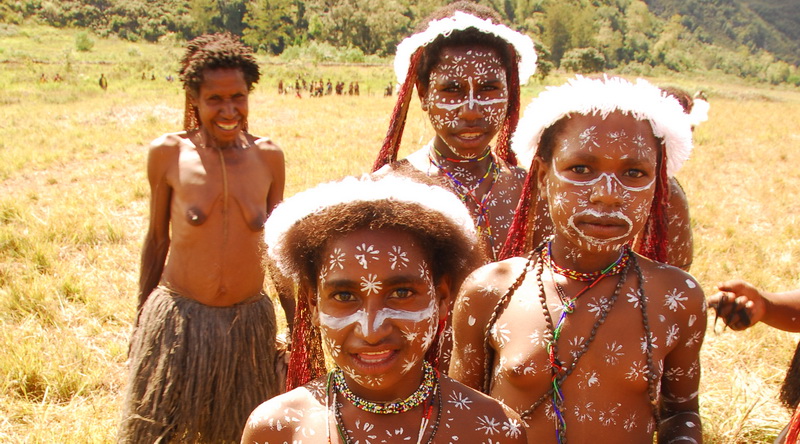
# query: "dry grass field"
{"points": [[74, 202]]}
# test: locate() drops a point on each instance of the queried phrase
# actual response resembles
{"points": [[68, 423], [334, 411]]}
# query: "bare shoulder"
{"points": [[478, 414], [265, 143], [494, 276], [168, 141], [677, 288], [278, 419]]}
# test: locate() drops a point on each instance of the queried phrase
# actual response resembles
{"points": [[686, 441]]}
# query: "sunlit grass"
{"points": [[74, 207]]}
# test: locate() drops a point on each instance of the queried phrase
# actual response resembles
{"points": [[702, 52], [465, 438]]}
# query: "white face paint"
{"points": [[361, 318], [611, 181], [601, 181], [377, 306], [467, 98], [471, 101]]}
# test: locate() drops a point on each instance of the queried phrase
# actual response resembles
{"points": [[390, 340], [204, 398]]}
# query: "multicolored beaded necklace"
{"points": [[427, 403], [483, 222], [615, 268], [558, 370], [429, 382]]}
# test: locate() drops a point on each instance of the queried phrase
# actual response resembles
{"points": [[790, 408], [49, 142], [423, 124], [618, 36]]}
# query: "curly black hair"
{"points": [[215, 51]]}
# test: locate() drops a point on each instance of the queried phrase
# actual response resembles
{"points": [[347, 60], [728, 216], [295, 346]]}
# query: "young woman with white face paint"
{"points": [[467, 68], [377, 259], [581, 336]]}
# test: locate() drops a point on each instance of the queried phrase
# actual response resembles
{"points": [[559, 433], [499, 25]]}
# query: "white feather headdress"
{"points": [[460, 21], [367, 188], [585, 96]]}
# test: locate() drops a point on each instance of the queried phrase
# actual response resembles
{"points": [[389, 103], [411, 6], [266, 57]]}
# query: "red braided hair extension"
{"points": [[654, 242], [518, 235], [307, 361], [503, 149], [391, 144]]}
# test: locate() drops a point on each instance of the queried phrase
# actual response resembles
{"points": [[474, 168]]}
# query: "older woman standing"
{"points": [[203, 351]]}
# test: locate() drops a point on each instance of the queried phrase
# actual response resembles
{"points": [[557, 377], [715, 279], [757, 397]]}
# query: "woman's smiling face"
{"points": [[601, 180], [467, 98], [378, 310]]}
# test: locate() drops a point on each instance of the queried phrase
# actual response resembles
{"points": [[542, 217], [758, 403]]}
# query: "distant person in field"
{"points": [[679, 242], [467, 68], [203, 353], [741, 306], [585, 339], [377, 259], [103, 82]]}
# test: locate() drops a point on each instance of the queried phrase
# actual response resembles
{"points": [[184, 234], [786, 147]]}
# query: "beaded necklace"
{"points": [[483, 222], [558, 370], [565, 371], [427, 410], [422, 393], [615, 268]]}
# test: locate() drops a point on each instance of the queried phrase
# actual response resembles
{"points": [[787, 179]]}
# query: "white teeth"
{"points": [[227, 127]]}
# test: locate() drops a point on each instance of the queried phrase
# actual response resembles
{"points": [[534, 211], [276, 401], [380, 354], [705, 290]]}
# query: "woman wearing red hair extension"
{"points": [[579, 334], [467, 69]]}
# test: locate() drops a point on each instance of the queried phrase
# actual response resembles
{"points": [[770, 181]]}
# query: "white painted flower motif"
{"points": [[633, 297], [636, 371], [672, 334], [371, 284], [501, 334], [583, 413], [590, 379], [643, 342], [398, 258], [365, 254], [577, 343], [323, 273], [336, 259], [598, 307], [512, 428], [674, 300], [609, 418], [613, 353], [673, 374], [489, 426], [460, 401], [695, 338], [366, 427], [630, 422]]}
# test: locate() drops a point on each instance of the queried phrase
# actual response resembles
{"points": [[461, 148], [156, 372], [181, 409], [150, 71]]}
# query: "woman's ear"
{"points": [[422, 92], [541, 168], [310, 293], [444, 293]]}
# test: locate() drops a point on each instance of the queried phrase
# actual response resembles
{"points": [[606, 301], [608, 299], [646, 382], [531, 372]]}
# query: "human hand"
{"points": [[739, 304]]}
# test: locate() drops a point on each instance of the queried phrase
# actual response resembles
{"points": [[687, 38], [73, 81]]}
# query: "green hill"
{"points": [[770, 25]]}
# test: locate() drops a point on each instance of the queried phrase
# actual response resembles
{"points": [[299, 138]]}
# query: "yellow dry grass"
{"points": [[74, 204]]}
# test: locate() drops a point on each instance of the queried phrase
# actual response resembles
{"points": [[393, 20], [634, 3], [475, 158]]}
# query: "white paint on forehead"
{"points": [[361, 318], [609, 178]]}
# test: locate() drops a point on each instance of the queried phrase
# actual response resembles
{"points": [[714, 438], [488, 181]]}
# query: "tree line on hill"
{"points": [[628, 36]]}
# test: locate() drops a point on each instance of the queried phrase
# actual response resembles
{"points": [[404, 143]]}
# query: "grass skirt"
{"points": [[197, 372]]}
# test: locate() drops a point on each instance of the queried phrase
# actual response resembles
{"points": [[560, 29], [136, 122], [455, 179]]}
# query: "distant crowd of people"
{"points": [[318, 88]]}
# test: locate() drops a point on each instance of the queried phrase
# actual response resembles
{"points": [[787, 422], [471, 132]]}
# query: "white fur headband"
{"points": [[459, 21], [601, 97], [391, 187]]}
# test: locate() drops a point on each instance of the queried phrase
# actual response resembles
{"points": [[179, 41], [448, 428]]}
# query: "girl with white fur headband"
{"points": [[553, 331], [377, 259], [467, 68]]}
